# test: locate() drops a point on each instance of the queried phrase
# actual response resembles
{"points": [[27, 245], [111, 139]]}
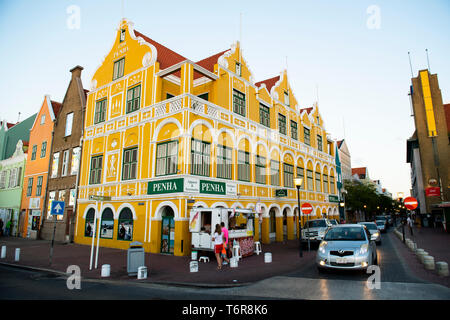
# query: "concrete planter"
{"points": [[442, 268]]}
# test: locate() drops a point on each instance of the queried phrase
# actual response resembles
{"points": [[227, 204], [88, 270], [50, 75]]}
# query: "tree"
{"points": [[361, 196]]}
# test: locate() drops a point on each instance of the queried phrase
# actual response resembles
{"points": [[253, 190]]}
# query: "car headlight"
{"points": [[322, 246], [364, 248], [321, 233], [376, 234]]}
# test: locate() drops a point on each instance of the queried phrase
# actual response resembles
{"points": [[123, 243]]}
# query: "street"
{"points": [[397, 282]]}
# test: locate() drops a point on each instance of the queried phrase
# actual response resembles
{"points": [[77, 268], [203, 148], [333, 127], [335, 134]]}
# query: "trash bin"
{"points": [[135, 258]]}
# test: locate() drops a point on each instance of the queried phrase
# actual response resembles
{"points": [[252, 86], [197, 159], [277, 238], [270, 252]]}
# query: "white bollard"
{"points": [[428, 262], [234, 262], [418, 251], [193, 266], [194, 255], [142, 273], [442, 268], [106, 270], [267, 257], [3, 252], [17, 257]]}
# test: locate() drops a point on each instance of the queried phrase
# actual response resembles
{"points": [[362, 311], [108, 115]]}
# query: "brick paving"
{"points": [[161, 268], [434, 241]]}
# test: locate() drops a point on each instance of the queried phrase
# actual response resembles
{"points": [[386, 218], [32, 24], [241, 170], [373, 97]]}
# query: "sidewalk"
{"points": [[434, 241], [165, 269]]}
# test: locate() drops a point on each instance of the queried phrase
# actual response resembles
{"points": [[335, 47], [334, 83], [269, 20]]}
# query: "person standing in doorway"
{"points": [[225, 245], [409, 221], [218, 245]]}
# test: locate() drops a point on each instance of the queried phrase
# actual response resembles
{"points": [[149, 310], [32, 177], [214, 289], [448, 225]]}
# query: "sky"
{"points": [[351, 56]]}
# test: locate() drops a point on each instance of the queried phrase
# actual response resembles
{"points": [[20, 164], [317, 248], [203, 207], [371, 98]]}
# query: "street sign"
{"points": [[433, 191], [307, 208], [57, 208], [410, 203], [99, 198]]}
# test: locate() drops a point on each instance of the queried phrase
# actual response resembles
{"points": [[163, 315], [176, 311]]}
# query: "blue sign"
{"points": [[57, 208]]}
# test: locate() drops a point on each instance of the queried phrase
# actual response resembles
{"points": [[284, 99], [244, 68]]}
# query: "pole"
{"points": [[93, 235], [309, 245], [299, 222], [98, 235], [53, 240]]}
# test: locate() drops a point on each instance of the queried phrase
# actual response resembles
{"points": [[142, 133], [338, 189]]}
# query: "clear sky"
{"points": [[352, 55]]}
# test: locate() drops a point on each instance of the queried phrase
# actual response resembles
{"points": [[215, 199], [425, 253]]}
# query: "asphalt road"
{"points": [[392, 268], [305, 283]]}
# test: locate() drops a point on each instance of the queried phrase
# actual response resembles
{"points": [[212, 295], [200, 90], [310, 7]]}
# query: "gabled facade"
{"points": [[11, 184], [164, 134], [65, 161], [36, 171]]}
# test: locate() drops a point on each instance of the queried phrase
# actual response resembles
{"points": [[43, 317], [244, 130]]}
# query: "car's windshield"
{"points": [[316, 224], [370, 226], [346, 234], [333, 222], [381, 218], [380, 223]]}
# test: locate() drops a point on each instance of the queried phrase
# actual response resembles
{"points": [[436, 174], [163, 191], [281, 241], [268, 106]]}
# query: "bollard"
{"points": [[3, 252], [428, 262], [193, 266], [17, 257], [419, 251], [194, 255], [267, 257], [421, 254], [142, 273], [442, 268], [234, 262], [106, 270]]}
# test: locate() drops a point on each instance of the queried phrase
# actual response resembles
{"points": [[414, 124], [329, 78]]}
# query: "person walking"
{"points": [[1, 227], [409, 221], [225, 245], [218, 245]]}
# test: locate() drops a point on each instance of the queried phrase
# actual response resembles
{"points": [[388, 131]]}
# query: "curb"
{"points": [[132, 282]]}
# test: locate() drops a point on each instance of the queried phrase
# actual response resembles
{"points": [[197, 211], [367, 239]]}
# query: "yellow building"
{"points": [[163, 134]]}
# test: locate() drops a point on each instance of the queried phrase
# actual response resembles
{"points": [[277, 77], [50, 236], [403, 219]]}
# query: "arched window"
{"points": [[107, 224], [89, 226], [125, 229]]}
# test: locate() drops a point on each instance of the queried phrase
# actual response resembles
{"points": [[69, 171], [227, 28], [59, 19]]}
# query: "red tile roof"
{"points": [[56, 107], [166, 57], [447, 115], [208, 63], [359, 171], [268, 82], [308, 110]]}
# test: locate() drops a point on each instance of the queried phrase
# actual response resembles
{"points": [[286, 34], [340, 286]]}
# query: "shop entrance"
{"points": [[168, 231]]}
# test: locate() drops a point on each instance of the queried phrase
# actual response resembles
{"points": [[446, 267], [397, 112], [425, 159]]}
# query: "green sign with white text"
{"points": [[165, 186], [213, 187], [333, 198]]}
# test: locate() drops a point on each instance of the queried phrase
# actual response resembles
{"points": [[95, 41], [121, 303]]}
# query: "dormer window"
{"points": [[238, 69], [122, 35], [318, 120], [119, 66]]}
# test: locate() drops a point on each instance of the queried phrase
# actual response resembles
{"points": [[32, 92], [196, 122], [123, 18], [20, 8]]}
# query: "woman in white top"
{"points": [[218, 245]]}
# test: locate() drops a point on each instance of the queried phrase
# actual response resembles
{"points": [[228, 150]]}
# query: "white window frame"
{"points": [[69, 124], [65, 163]]}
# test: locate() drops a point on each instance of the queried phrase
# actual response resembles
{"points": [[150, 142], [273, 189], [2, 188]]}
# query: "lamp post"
{"points": [[298, 182]]}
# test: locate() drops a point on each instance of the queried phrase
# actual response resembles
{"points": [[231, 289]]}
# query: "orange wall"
{"points": [[38, 167]]}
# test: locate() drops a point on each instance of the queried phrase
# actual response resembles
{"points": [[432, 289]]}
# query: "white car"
{"points": [[374, 232], [381, 225]]}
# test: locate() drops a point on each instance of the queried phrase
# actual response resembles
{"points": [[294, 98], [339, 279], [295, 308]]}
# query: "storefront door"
{"points": [[168, 232]]}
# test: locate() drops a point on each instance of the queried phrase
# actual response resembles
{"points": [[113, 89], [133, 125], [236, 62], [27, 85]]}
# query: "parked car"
{"points": [[347, 246], [375, 234], [390, 220], [381, 225], [314, 230], [384, 219]]}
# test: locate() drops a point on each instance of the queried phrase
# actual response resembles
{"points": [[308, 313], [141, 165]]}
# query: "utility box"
{"points": [[135, 258]]}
